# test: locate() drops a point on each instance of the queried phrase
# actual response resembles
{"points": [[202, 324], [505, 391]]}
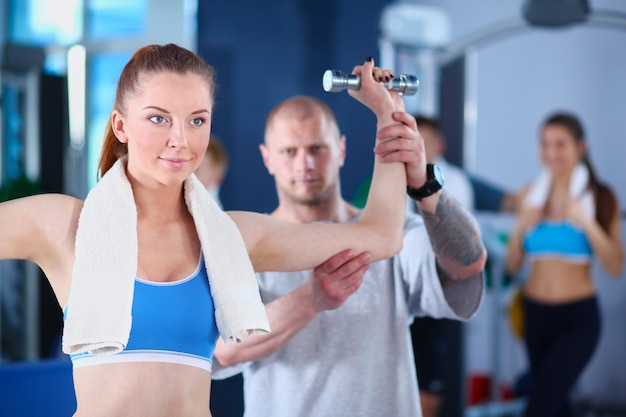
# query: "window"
{"points": [[41, 22], [112, 19]]}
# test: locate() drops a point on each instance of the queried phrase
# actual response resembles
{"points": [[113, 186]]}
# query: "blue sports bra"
{"points": [[173, 322], [558, 239]]}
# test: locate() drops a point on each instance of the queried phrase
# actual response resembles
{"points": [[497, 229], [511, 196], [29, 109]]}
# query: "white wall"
{"points": [[522, 78]]}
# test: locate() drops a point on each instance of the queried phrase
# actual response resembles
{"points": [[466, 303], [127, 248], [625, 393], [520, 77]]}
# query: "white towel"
{"points": [[579, 189], [99, 309]]}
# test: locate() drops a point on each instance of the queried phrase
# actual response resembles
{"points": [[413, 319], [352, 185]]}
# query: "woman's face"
{"points": [[167, 126], [560, 151]]}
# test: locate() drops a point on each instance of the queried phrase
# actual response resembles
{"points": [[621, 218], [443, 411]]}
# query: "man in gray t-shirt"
{"points": [[340, 344]]}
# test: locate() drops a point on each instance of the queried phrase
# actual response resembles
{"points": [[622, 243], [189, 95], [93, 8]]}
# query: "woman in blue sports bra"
{"points": [[567, 216], [146, 249]]}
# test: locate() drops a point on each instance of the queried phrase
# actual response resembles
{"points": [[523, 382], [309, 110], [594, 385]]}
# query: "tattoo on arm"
{"points": [[453, 233]]}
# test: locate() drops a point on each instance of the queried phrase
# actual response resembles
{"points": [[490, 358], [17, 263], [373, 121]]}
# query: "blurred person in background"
{"points": [[213, 168], [567, 217]]}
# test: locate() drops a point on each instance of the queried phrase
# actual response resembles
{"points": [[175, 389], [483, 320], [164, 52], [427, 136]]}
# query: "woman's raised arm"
{"points": [[279, 245]]}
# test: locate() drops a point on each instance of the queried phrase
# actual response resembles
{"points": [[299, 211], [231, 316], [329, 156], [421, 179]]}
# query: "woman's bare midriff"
{"points": [[554, 281], [141, 389]]}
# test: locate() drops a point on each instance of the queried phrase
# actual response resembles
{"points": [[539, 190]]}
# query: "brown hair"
{"points": [[606, 203], [149, 60], [430, 122], [217, 154]]}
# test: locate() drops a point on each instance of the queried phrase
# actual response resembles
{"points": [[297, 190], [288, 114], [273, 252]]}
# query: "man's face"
{"points": [[304, 156]]}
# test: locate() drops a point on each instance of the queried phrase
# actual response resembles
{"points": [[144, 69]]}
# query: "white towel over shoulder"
{"points": [[99, 309], [540, 188]]}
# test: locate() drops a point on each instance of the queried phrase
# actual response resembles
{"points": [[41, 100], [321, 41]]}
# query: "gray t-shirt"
{"points": [[357, 360]]}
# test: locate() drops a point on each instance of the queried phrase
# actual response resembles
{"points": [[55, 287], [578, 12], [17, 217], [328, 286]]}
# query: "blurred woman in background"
{"points": [[566, 218]]}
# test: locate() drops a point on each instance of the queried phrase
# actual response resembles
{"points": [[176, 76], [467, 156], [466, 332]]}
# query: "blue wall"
{"points": [[42, 388], [264, 54]]}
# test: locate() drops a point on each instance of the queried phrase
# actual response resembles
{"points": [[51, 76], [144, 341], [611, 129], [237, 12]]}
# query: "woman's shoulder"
{"points": [[251, 225], [47, 202], [52, 209], [40, 227], [57, 201]]}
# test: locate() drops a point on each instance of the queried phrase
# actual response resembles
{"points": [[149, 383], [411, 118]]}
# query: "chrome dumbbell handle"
{"points": [[336, 80]]}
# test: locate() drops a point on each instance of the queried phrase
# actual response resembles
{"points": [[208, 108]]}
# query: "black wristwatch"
{"points": [[434, 182]]}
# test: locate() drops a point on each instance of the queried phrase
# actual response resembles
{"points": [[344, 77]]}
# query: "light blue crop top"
{"points": [[558, 239], [172, 322]]}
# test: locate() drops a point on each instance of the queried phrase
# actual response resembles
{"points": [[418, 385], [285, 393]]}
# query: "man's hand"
{"points": [[527, 219], [332, 282], [403, 143], [328, 287], [576, 214]]}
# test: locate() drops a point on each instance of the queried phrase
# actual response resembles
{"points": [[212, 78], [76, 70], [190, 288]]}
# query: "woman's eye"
{"points": [[197, 122], [157, 119]]}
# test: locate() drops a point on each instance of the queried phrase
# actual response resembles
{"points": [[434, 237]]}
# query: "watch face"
{"points": [[438, 175]]}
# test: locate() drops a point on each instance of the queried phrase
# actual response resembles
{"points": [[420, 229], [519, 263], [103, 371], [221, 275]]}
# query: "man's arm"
{"points": [[455, 238], [453, 232], [329, 285]]}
